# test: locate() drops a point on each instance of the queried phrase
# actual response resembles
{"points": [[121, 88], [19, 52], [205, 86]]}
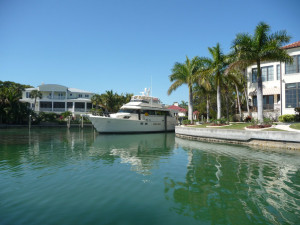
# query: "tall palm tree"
{"points": [[186, 73], [255, 49], [35, 94], [216, 67]]}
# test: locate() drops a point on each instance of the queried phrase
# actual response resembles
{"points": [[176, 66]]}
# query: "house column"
{"points": [[85, 107], [73, 107], [66, 103], [52, 105]]}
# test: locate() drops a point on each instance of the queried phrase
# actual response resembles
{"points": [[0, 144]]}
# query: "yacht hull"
{"points": [[117, 125]]}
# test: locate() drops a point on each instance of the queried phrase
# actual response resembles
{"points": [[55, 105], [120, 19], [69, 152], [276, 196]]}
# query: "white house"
{"points": [[57, 98], [180, 112], [281, 84]]}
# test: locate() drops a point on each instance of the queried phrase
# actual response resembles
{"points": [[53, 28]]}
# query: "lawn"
{"points": [[295, 126], [237, 126]]}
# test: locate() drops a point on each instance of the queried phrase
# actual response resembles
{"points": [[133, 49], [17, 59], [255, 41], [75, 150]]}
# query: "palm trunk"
{"points": [[260, 115], [207, 108], [238, 102], [227, 106], [190, 107], [218, 101], [247, 103]]}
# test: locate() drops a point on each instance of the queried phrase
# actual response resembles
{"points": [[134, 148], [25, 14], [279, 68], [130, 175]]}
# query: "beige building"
{"points": [[281, 84], [57, 98]]}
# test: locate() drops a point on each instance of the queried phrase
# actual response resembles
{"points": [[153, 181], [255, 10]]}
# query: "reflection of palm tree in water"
{"points": [[220, 189]]}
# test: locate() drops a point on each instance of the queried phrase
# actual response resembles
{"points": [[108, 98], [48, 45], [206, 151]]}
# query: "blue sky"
{"points": [[122, 45]]}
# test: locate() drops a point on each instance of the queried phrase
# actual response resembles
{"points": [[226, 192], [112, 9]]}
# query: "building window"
{"points": [[254, 75], [278, 71], [267, 74], [292, 95], [80, 95], [294, 67], [27, 95], [86, 96], [268, 102]]}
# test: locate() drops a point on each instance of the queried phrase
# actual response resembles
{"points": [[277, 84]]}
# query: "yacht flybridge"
{"points": [[142, 114]]}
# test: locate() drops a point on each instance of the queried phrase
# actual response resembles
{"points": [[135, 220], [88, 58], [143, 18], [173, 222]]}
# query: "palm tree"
{"points": [[258, 48], [216, 68], [35, 94], [186, 73]]}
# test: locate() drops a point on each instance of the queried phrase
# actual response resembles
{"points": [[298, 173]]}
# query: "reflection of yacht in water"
{"points": [[142, 114], [141, 151]]}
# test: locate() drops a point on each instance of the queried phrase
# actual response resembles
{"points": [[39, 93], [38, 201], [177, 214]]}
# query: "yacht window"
{"points": [[127, 111]]}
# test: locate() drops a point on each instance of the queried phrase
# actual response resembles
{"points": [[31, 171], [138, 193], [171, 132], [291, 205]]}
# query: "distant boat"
{"points": [[142, 114]]}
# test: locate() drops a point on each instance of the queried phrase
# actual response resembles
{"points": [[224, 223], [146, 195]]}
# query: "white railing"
{"points": [[46, 109], [79, 110]]}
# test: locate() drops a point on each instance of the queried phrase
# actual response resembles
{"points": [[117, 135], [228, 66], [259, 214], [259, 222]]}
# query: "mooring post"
{"points": [[29, 122], [69, 122]]}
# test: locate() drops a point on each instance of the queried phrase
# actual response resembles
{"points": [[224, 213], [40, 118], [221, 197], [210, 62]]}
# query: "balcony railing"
{"points": [[268, 107]]}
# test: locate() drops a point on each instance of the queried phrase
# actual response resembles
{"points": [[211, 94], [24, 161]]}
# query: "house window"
{"points": [[278, 71], [254, 75], [86, 96], [268, 102], [294, 67], [80, 95], [292, 95], [27, 95], [267, 74]]}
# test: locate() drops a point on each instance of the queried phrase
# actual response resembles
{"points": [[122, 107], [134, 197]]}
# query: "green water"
{"points": [[56, 176]]}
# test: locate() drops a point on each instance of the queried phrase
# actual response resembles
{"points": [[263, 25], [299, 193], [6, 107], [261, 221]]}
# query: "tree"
{"points": [[216, 67], [35, 94], [186, 73], [12, 111], [255, 49]]}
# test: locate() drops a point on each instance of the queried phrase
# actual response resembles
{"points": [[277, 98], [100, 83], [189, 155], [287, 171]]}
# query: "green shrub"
{"points": [[268, 121], [222, 121], [186, 122], [287, 118]]}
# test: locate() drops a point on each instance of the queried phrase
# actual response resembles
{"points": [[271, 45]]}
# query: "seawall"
{"points": [[275, 139]]}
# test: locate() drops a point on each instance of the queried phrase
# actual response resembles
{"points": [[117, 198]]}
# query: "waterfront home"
{"points": [[281, 84], [180, 112], [58, 98]]}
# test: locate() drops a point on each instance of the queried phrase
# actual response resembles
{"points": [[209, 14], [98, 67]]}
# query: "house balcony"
{"points": [[268, 107]]}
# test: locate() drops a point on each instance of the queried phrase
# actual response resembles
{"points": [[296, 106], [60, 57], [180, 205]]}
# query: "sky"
{"points": [[125, 45]]}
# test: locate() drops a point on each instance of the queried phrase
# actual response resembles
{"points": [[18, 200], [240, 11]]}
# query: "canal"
{"points": [[60, 176]]}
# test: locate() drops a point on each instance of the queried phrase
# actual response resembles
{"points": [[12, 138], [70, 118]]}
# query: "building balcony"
{"points": [[268, 107]]}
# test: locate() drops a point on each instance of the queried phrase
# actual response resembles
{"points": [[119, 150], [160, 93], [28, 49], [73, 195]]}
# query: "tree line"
{"points": [[220, 80]]}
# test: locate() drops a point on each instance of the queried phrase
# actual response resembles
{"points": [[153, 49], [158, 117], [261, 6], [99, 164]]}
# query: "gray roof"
{"points": [[78, 90]]}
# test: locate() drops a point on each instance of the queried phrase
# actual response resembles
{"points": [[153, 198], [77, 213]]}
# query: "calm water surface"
{"points": [[56, 176]]}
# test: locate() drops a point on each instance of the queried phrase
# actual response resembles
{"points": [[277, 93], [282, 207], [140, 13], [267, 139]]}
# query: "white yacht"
{"points": [[141, 115]]}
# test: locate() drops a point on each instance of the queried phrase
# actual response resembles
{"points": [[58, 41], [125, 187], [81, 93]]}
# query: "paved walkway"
{"points": [[286, 126]]}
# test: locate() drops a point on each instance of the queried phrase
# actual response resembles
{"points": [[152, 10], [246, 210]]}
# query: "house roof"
{"points": [[177, 108], [292, 45], [78, 90]]}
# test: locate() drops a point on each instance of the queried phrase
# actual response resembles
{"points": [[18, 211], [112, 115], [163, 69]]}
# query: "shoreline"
{"points": [[272, 139], [11, 126]]}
